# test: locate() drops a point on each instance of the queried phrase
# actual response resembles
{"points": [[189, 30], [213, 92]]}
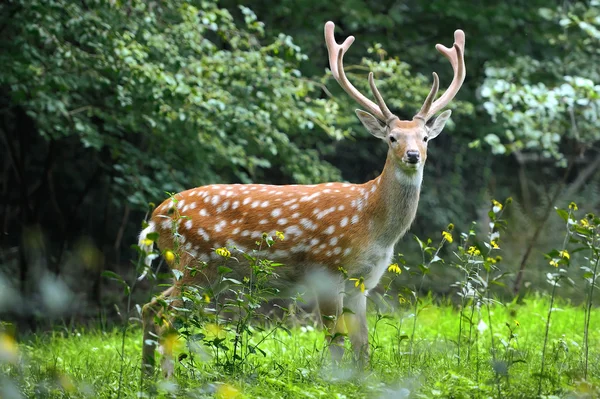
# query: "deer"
{"points": [[327, 226]]}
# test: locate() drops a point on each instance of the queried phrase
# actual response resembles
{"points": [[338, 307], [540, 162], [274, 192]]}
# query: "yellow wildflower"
{"points": [[214, 331], [473, 251], [359, 283], [280, 235], [172, 344], [494, 244], [554, 263], [224, 252], [226, 391], [498, 258], [491, 260], [8, 348], [67, 383], [584, 223], [401, 299], [394, 268], [564, 254], [169, 256], [573, 206], [447, 236], [517, 323], [206, 298], [497, 207], [147, 242]]}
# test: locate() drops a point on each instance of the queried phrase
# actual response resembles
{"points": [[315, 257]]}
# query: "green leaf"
{"points": [[563, 214]]}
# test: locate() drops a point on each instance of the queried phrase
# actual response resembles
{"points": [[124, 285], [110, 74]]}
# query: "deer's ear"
{"points": [[437, 125], [373, 125]]}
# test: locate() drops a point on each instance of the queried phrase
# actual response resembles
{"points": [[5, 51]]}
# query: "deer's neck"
{"points": [[394, 202]]}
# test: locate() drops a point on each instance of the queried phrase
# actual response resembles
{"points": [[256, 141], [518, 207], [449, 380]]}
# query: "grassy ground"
{"points": [[90, 363]]}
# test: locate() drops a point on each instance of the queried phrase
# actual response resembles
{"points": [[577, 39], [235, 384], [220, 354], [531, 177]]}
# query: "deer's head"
{"points": [[407, 139]]}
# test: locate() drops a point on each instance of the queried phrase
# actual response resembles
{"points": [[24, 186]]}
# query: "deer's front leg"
{"points": [[356, 323], [333, 321]]}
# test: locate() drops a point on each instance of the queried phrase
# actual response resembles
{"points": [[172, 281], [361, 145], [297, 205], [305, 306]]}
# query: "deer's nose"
{"points": [[413, 156]]}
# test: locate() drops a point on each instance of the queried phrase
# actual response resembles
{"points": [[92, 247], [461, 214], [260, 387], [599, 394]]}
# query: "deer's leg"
{"points": [[331, 316], [161, 334], [151, 334], [356, 323]]}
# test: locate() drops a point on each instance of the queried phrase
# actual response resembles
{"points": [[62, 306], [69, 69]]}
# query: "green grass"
{"points": [[87, 363]]}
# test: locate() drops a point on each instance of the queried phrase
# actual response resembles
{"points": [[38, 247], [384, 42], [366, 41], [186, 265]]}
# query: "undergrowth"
{"points": [[225, 344]]}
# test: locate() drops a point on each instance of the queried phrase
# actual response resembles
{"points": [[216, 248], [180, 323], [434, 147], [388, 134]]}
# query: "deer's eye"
{"points": [[392, 139], [425, 139]]}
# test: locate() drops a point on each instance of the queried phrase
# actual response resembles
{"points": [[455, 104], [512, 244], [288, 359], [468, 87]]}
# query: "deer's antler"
{"points": [[456, 57], [336, 64]]}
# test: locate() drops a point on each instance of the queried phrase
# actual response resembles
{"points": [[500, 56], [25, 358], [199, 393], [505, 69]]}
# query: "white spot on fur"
{"points": [[290, 202], [264, 221], [344, 221], [264, 204], [337, 250], [282, 221], [255, 204], [295, 206], [219, 226], [293, 230], [202, 233], [329, 230], [314, 242], [296, 215], [310, 197], [235, 204], [347, 251], [203, 212], [308, 224], [193, 205], [188, 224], [299, 248], [246, 201], [276, 212], [333, 241], [354, 219]]}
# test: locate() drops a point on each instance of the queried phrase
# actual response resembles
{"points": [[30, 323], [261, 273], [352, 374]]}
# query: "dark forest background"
{"points": [[107, 106]]}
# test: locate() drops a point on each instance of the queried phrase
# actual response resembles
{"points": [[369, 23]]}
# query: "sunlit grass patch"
{"points": [[87, 363]]}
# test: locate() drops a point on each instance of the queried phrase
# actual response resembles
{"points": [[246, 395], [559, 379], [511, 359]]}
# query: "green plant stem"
{"points": [[546, 336], [588, 315]]}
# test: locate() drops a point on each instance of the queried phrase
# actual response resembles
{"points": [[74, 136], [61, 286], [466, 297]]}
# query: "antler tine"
{"points": [[456, 57], [422, 114], [333, 48], [336, 64], [382, 106]]}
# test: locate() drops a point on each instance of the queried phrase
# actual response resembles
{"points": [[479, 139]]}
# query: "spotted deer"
{"points": [[326, 226]]}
